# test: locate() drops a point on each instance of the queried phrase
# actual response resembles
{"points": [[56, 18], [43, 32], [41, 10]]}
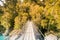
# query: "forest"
{"points": [[44, 13]]}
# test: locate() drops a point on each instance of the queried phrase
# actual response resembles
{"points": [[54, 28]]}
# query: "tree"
{"points": [[44, 13]]}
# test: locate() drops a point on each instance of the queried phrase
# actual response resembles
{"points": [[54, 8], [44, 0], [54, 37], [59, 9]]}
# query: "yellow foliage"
{"points": [[5, 20]]}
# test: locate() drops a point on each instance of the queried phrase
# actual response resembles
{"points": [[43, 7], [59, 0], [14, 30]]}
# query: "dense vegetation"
{"points": [[44, 13]]}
